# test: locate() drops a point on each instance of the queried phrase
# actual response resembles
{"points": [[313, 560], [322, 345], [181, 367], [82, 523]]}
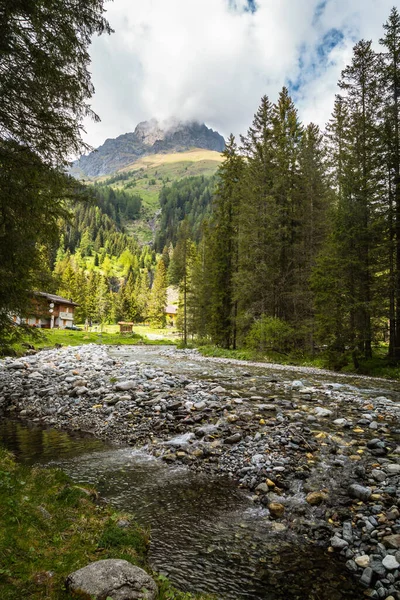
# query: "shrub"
{"points": [[270, 333]]}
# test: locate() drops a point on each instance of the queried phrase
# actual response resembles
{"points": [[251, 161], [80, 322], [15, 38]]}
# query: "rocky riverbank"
{"points": [[323, 457]]}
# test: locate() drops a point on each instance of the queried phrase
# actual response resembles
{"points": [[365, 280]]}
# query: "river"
{"points": [[207, 535]]}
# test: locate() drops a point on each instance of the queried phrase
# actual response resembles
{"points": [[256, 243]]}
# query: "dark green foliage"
{"points": [[389, 74], [32, 200], [117, 204], [44, 91], [222, 248], [44, 76], [268, 222], [270, 334], [187, 198], [349, 290], [158, 296], [314, 250]]}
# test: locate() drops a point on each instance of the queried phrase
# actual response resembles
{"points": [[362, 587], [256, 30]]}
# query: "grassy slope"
{"points": [[50, 526], [150, 173]]}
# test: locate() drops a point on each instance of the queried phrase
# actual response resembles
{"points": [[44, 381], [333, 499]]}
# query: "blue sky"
{"points": [[212, 60]]}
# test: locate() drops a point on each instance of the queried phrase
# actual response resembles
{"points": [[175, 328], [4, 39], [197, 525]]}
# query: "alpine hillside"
{"points": [[150, 137]]}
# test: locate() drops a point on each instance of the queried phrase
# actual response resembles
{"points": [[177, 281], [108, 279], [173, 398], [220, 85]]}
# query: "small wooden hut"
{"points": [[125, 326]]}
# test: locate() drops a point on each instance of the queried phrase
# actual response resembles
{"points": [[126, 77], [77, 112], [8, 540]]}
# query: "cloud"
{"points": [[212, 60]]}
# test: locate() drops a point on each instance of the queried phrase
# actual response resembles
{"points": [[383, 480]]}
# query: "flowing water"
{"points": [[206, 534]]}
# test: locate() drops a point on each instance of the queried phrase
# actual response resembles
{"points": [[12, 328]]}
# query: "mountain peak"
{"points": [[149, 137]]}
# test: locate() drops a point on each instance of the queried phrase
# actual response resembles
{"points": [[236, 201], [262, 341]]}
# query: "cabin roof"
{"points": [[56, 299]]}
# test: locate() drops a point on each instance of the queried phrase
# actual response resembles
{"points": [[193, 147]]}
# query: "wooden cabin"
{"points": [[49, 311]]}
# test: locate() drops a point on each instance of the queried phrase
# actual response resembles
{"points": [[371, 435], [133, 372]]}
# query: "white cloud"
{"points": [[212, 60]]}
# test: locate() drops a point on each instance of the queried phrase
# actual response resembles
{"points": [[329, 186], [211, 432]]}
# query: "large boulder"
{"points": [[117, 579]]}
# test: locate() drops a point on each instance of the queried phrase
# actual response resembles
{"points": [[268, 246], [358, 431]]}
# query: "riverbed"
{"points": [[208, 447]]}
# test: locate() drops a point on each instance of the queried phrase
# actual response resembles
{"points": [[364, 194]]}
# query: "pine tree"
{"points": [[363, 189], [158, 296], [222, 243], [179, 270], [200, 290], [390, 79], [314, 201], [142, 293], [287, 136], [257, 234]]}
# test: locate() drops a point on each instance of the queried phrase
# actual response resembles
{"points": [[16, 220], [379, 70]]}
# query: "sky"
{"points": [[213, 60]]}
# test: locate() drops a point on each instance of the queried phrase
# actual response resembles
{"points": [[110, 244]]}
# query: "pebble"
{"points": [[390, 563], [338, 543], [358, 491], [362, 561]]}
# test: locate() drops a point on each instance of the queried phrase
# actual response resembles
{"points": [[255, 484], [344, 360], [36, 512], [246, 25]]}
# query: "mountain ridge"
{"points": [[149, 137]]}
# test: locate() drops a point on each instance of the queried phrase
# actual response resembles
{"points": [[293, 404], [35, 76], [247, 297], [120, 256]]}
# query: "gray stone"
{"points": [[347, 532], [340, 422], [322, 412], [378, 475], [376, 565], [360, 492], [118, 579], [297, 384], [218, 390], [393, 469], [351, 566], [366, 577], [123, 386], [233, 439], [390, 563], [262, 488], [338, 543], [200, 405], [257, 458]]}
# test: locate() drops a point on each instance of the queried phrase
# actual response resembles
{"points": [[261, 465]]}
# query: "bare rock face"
{"points": [[149, 137], [117, 579]]}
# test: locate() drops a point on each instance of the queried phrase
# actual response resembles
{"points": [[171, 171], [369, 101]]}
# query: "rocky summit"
{"points": [[322, 458], [149, 137]]}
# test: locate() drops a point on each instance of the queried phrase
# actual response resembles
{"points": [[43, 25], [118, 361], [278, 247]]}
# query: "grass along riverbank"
{"points": [[378, 366], [109, 336], [50, 526]]}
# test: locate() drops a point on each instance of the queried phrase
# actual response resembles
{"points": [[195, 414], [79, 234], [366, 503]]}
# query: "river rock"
{"points": [[115, 578], [123, 386], [392, 541], [362, 561], [390, 563], [366, 577], [340, 422], [378, 475], [392, 469], [319, 411], [360, 492], [338, 543], [297, 384], [276, 509], [315, 498], [218, 390], [200, 405], [233, 439]]}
